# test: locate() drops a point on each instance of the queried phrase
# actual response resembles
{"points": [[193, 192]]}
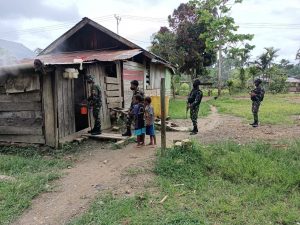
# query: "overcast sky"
{"points": [[36, 23]]}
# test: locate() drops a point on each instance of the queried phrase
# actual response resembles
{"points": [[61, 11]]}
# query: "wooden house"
{"points": [[42, 104], [293, 84]]}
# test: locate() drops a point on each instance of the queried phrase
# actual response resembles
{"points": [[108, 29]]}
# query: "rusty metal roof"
{"points": [[88, 56], [68, 58]]}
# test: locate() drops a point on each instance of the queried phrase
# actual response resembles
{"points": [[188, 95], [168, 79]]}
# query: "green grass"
{"points": [[32, 173], [275, 109], [177, 109], [224, 183]]}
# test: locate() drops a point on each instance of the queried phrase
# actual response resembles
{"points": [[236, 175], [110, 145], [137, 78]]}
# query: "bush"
{"points": [[184, 89]]}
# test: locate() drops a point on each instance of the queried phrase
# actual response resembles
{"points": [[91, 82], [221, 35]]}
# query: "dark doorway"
{"points": [[81, 121]]}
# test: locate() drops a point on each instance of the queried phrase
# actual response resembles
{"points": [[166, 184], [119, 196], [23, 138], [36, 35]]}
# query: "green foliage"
{"points": [[275, 109], [32, 174], [278, 83], [221, 34], [230, 84], [223, 183], [184, 89], [177, 109], [181, 43]]}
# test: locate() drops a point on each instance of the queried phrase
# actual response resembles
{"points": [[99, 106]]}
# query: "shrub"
{"points": [[184, 89]]}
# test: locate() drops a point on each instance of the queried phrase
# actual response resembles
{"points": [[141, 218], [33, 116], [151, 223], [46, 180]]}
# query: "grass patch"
{"points": [[177, 109], [32, 173], [224, 183], [275, 109]]}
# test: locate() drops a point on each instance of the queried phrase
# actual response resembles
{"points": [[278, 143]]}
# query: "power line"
{"points": [[146, 19]]}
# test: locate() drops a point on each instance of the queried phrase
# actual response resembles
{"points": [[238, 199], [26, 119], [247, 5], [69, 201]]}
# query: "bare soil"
{"points": [[129, 170]]}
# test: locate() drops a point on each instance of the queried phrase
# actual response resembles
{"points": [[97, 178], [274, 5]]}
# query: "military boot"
{"points": [[127, 133], [194, 131], [91, 131], [96, 131]]}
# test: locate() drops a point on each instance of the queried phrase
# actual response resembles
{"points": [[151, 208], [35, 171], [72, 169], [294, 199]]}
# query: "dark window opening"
{"points": [[148, 79], [111, 70]]}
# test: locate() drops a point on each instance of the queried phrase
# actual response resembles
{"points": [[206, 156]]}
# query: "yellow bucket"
{"points": [[155, 101]]}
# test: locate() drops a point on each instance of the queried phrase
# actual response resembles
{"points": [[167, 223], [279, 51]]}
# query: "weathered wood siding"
{"points": [[99, 72], [132, 71], [21, 118], [156, 73], [65, 104]]}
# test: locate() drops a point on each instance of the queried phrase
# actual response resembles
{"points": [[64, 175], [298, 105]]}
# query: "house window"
{"points": [[148, 79], [111, 70]]}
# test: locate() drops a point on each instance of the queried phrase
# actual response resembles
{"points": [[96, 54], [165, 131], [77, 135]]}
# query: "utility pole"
{"points": [[118, 18], [163, 116]]}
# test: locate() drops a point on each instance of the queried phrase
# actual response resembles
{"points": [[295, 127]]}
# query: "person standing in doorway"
{"points": [[257, 96], [134, 86], [193, 103], [95, 103]]}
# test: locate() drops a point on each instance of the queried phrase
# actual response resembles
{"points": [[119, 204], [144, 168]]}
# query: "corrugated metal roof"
{"points": [[88, 56], [68, 58], [293, 80]]}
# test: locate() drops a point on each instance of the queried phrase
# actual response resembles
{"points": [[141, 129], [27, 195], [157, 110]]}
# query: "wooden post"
{"points": [[163, 116]]}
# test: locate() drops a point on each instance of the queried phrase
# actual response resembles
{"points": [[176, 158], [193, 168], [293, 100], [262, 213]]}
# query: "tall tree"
{"points": [[181, 43], [266, 60], [221, 30], [242, 56]]}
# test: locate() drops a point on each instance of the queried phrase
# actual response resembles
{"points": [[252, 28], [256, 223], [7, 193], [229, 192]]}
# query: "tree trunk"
{"points": [[220, 72]]}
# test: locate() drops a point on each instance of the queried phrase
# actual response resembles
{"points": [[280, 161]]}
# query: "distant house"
{"points": [[11, 52], [44, 107], [293, 84]]}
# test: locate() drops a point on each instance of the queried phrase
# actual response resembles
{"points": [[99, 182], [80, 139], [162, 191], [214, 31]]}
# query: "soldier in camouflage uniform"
{"points": [[257, 96], [95, 102], [135, 89], [193, 102]]}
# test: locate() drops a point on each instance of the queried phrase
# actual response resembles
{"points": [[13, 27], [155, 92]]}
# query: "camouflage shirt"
{"points": [[195, 97], [259, 94], [96, 99]]}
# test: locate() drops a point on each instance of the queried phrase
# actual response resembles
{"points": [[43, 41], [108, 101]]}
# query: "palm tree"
{"points": [[266, 60]]}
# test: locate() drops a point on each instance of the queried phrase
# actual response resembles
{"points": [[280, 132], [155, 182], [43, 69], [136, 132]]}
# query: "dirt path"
{"points": [[97, 170], [100, 168], [217, 127]]}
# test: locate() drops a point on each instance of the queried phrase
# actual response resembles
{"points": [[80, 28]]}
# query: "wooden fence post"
{"points": [[163, 116]]}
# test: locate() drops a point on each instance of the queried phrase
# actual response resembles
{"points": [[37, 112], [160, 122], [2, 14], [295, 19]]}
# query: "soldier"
{"points": [[95, 102], [193, 104], [135, 89], [257, 96]]}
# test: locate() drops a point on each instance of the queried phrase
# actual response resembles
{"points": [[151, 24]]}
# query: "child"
{"points": [[138, 112], [149, 116]]}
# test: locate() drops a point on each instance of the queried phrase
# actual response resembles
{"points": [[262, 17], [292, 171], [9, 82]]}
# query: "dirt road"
{"points": [[101, 168]]}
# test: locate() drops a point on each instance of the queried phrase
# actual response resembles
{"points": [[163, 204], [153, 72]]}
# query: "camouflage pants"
{"points": [[255, 109], [194, 115], [97, 121]]}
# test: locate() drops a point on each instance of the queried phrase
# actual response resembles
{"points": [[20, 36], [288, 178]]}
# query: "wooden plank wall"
{"points": [[65, 104], [132, 71], [21, 118], [99, 72], [113, 92], [48, 93]]}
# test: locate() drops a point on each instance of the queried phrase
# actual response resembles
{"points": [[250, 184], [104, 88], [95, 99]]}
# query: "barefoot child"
{"points": [[138, 112], [149, 116]]}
